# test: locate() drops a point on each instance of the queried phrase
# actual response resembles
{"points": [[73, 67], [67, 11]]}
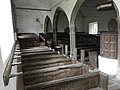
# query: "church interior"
{"points": [[60, 45]]}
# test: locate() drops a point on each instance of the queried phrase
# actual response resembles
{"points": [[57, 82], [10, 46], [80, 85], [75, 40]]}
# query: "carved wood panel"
{"points": [[108, 44]]}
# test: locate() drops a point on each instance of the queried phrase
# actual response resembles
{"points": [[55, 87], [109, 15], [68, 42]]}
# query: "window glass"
{"points": [[93, 28]]}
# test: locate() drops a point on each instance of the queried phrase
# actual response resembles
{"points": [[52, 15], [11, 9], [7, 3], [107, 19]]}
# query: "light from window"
{"points": [[93, 28]]}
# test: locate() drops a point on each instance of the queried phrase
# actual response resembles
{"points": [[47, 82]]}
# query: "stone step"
{"points": [[48, 74]]}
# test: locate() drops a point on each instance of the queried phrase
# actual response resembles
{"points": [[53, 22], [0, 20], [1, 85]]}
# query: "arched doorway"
{"points": [[60, 27], [87, 19], [48, 25]]}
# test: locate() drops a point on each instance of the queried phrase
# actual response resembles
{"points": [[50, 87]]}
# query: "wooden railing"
{"points": [[7, 72]]}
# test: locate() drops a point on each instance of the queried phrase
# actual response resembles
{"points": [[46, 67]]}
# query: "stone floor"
{"points": [[113, 83]]}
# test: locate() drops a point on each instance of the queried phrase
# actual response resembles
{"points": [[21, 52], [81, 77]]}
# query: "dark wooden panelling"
{"points": [[108, 44]]}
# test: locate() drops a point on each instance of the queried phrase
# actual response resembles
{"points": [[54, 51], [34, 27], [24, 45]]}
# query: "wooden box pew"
{"points": [[48, 37], [62, 41], [28, 40], [36, 49], [86, 46], [46, 64], [63, 38], [33, 44], [87, 38], [27, 37], [37, 53], [92, 53], [43, 61], [86, 49], [88, 81], [53, 73]]}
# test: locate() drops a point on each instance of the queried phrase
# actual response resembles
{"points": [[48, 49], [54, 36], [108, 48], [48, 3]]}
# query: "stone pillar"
{"points": [[55, 35], [45, 30], [62, 46], [66, 50], [72, 42], [118, 71]]}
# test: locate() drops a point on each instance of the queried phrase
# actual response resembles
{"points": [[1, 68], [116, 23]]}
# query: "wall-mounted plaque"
{"points": [[112, 25]]}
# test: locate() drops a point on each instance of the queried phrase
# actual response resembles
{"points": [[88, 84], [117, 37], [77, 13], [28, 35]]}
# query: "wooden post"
{"points": [[85, 69], [93, 59], [62, 51], [55, 35], [103, 81], [66, 50], [75, 53], [82, 56]]}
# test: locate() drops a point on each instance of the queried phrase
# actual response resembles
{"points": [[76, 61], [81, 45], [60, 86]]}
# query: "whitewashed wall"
{"points": [[102, 18], [26, 21], [50, 29], [92, 15], [79, 23], [62, 22], [6, 39]]}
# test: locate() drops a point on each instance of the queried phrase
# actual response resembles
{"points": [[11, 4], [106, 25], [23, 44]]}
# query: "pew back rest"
{"points": [[87, 38], [25, 38], [80, 82]]}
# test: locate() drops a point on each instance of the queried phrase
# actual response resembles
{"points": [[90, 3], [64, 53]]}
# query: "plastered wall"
{"points": [[29, 21], [26, 19], [87, 15], [6, 39]]}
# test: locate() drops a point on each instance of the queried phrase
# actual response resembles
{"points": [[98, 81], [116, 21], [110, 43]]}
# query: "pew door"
{"points": [[108, 44]]}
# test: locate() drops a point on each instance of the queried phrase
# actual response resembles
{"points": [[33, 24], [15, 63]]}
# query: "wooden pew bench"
{"points": [[92, 52], [48, 37], [53, 73], [87, 38], [80, 82], [28, 40]]}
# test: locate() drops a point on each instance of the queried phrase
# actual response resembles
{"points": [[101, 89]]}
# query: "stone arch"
{"points": [[72, 25], [78, 5], [47, 25], [55, 22], [75, 11]]}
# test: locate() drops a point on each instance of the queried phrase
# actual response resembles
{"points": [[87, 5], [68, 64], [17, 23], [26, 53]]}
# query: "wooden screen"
{"points": [[108, 44]]}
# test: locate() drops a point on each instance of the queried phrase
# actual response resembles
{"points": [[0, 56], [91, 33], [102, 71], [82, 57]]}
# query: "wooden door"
{"points": [[108, 44]]}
